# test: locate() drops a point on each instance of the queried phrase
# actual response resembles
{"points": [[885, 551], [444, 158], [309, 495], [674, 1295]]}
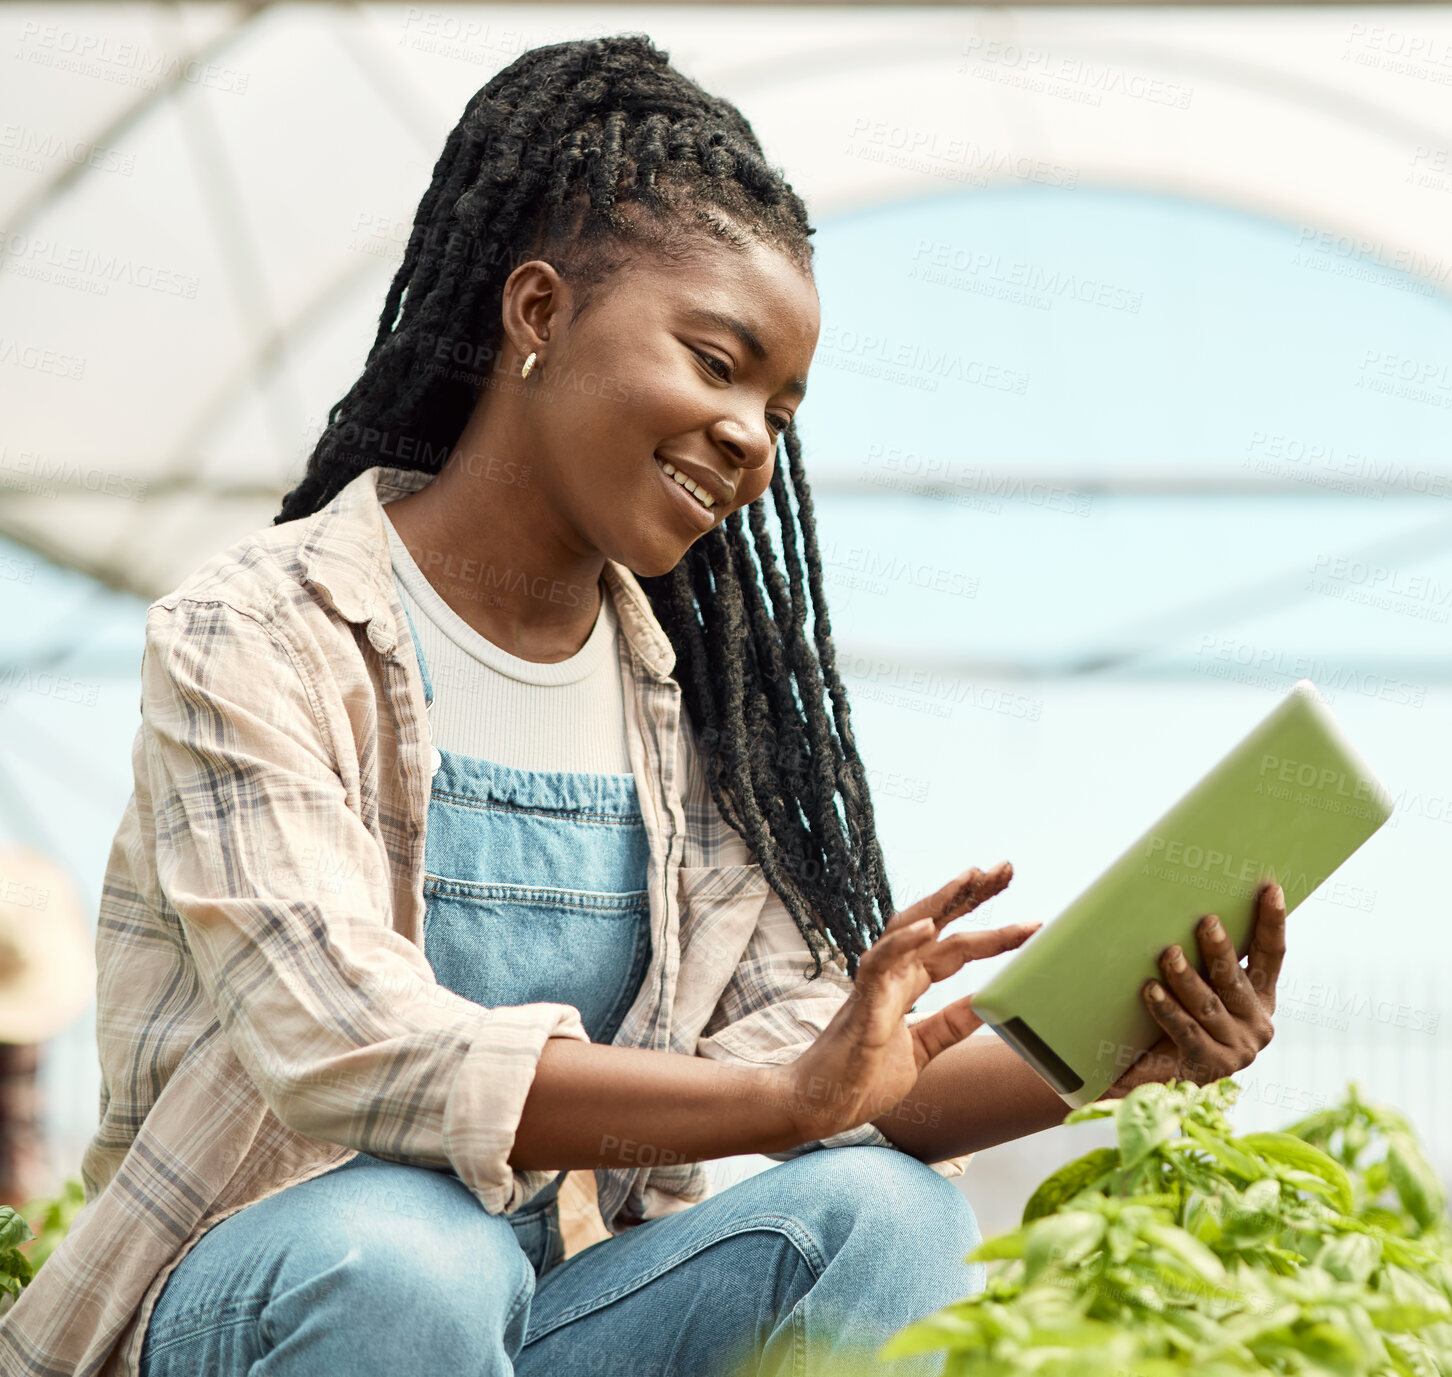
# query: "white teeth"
{"points": [[695, 489]]}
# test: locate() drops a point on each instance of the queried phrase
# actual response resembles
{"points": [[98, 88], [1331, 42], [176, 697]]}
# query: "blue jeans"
{"points": [[377, 1267]]}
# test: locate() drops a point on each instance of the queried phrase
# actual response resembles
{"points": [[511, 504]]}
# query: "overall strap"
{"points": [[423, 664]]}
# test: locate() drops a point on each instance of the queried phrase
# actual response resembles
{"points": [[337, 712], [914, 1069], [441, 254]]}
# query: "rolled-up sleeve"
{"points": [[770, 1013], [281, 896]]}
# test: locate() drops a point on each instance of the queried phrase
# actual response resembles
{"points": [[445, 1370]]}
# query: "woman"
{"points": [[498, 815]]}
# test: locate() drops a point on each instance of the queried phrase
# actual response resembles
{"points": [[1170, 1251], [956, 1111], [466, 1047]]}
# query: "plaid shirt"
{"points": [[265, 1009]]}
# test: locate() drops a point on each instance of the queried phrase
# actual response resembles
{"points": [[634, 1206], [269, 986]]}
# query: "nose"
{"points": [[749, 446]]}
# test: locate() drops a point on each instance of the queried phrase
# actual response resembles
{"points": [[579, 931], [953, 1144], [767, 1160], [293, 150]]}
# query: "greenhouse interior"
{"points": [[1129, 411]]}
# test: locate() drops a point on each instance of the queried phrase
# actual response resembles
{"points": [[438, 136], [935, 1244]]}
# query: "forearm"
{"points": [[976, 1094], [595, 1105]]}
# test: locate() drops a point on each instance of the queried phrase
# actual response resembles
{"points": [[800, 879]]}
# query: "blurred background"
{"points": [[1130, 408]]}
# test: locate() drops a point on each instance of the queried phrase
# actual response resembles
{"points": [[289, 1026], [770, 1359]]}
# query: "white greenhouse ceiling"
{"points": [[204, 204]]}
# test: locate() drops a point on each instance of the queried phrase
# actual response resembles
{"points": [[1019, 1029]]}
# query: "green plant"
{"points": [[1187, 1248], [51, 1218], [29, 1235], [1397, 1190], [16, 1269]]}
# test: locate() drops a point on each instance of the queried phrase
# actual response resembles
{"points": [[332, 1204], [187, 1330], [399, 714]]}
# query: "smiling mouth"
{"points": [[680, 479]]}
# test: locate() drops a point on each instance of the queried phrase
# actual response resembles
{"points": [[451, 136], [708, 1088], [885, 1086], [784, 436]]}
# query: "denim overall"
{"points": [[535, 890]]}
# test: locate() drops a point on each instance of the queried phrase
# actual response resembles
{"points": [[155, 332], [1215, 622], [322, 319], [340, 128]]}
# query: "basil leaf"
{"points": [[1288, 1150], [1351, 1257], [1068, 1181], [1415, 1183], [13, 1228], [1146, 1119], [996, 1249], [1188, 1251], [941, 1330], [1062, 1240]]}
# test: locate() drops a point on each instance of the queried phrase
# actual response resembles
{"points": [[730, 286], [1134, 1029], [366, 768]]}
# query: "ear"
{"points": [[535, 300]]}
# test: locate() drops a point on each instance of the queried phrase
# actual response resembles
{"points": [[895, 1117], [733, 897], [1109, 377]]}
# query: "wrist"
{"points": [[774, 1095]]}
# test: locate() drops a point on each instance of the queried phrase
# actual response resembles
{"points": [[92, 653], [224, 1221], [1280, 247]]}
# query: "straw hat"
{"points": [[47, 966]]}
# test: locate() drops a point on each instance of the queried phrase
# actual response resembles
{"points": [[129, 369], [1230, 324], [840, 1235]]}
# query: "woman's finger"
{"points": [[1226, 974], [893, 956], [949, 954], [962, 894], [1196, 997], [889, 980], [1195, 1044], [944, 1029], [894, 944], [1268, 945]]}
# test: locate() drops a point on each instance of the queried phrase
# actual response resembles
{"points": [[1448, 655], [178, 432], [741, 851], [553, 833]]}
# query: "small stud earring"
{"points": [[528, 364]]}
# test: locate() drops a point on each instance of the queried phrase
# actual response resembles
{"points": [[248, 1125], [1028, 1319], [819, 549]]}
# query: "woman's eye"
{"points": [[712, 362], [778, 423]]}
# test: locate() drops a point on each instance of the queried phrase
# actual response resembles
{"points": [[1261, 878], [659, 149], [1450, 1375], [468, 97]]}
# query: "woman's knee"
{"points": [[325, 1267], [393, 1238], [883, 1192], [888, 1235]]}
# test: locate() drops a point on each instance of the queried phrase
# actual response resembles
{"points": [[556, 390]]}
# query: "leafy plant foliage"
{"points": [[52, 1217], [1322, 1250]]}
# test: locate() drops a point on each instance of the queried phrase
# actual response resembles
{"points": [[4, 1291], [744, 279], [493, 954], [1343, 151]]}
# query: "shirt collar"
{"points": [[343, 551]]}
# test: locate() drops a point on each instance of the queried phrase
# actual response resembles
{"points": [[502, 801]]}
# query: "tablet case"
{"points": [[1290, 803]]}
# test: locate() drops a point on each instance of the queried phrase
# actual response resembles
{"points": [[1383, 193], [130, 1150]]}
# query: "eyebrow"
{"points": [[748, 338]]}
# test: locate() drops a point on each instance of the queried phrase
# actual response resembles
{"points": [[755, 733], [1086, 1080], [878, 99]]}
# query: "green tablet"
{"points": [[1290, 803]]}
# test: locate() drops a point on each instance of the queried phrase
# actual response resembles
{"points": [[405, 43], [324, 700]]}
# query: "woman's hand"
{"points": [[867, 1058], [1211, 1033]]}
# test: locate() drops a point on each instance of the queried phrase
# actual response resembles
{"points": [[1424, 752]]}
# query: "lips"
{"points": [[693, 510], [705, 481], [705, 498]]}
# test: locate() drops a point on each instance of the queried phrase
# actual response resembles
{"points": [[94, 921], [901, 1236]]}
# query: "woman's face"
{"points": [[698, 365]]}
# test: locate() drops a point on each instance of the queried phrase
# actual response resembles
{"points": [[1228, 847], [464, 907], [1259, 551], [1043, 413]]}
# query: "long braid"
{"points": [[588, 152], [852, 779]]}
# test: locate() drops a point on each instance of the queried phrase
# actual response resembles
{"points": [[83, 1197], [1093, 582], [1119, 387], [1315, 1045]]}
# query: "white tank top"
{"points": [[569, 715]]}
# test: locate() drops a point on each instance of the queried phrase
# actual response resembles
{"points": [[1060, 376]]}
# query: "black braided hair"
{"points": [[592, 154]]}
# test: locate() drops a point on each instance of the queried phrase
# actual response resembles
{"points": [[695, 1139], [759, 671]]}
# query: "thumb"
{"points": [[949, 1026]]}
